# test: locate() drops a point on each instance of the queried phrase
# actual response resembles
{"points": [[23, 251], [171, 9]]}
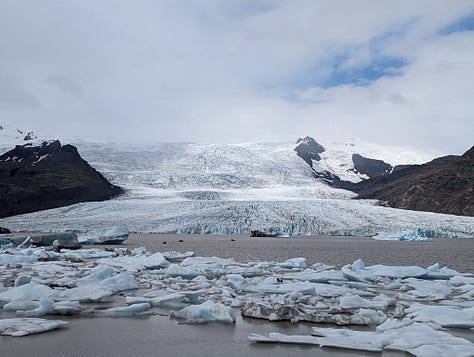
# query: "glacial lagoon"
{"points": [[156, 334]]}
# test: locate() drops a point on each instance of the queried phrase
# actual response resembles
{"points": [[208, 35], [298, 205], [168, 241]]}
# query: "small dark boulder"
{"points": [[4, 231]]}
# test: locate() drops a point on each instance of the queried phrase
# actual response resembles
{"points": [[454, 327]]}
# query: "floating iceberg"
{"points": [[208, 311], [380, 302], [137, 262], [210, 288], [27, 326], [108, 235], [30, 291], [21, 259], [445, 316], [173, 256], [134, 309], [410, 338], [419, 234]]}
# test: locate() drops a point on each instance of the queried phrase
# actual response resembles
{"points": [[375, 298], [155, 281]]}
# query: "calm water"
{"points": [[158, 336], [454, 253]]}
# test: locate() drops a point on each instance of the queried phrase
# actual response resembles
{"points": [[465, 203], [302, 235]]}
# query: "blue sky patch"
{"points": [[464, 24], [364, 75]]}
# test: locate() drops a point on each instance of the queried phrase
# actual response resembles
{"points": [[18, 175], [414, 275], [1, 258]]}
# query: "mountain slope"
{"points": [[444, 185], [38, 177], [335, 162]]}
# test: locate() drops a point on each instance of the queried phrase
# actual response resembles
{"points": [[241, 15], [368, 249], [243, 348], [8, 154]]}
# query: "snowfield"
{"points": [[224, 188]]}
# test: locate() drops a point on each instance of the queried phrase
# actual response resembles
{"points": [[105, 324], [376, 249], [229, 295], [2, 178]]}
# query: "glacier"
{"points": [[234, 188]]}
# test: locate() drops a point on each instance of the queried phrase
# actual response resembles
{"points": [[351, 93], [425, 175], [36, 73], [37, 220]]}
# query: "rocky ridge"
{"points": [[49, 175], [444, 185]]}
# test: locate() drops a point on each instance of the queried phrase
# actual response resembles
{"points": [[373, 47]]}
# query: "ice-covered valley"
{"points": [[234, 188]]}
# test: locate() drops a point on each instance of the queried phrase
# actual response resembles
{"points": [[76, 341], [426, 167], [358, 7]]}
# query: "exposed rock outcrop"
{"points": [[370, 167], [48, 175], [444, 185], [308, 149]]}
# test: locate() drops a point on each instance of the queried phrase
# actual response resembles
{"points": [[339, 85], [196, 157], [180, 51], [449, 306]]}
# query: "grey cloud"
{"points": [[65, 84], [13, 97]]}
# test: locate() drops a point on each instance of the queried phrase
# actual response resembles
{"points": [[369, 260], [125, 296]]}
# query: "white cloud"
{"points": [[238, 70]]}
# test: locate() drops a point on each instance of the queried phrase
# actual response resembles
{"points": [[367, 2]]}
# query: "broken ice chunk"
{"points": [[27, 326], [208, 311]]}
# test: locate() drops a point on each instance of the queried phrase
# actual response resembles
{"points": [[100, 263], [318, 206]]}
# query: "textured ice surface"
{"points": [[29, 291], [208, 311], [27, 326], [9, 258], [107, 235], [411, 338], [197, 188], [130, 282], [442, 315], [420, 234], [134, 309]]}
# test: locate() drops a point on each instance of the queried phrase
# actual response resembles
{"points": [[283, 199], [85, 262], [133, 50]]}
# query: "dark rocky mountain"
{"points": [[370, 167], [48, 175], [308, 149], [444, 185]]}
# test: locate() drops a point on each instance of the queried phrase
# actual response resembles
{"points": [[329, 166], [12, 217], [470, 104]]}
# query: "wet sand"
{"points": [[158, 336]]}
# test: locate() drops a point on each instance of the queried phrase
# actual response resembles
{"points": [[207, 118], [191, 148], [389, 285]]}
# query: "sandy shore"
{"points": [[338, 251]]}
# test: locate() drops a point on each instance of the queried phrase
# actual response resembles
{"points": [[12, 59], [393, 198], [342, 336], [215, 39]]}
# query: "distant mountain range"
{"points": [[41, 176], [44, 174]]}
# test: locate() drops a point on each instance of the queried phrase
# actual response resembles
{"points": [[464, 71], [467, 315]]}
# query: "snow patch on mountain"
{"points": [[337, 157], [10, 136]]}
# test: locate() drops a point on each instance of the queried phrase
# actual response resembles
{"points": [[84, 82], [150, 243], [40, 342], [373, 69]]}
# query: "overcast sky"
{"points": [[396, 72]]}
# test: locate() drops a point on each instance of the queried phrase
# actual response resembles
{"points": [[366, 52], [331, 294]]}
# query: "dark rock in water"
{"points": [[370, 167], [444, 185], [4, 231], [50, 175], [45, 239], [257, 233], [308, 149]]}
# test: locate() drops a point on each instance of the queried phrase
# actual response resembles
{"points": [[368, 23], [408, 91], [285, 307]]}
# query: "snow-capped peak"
{"points": [[338, 158], [11, 136]]}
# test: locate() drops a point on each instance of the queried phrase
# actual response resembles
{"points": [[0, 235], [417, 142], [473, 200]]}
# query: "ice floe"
{"points": [[208, 311], [107, 235], [418, 339], [27, 326], [402, 306], [134, 309]]}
